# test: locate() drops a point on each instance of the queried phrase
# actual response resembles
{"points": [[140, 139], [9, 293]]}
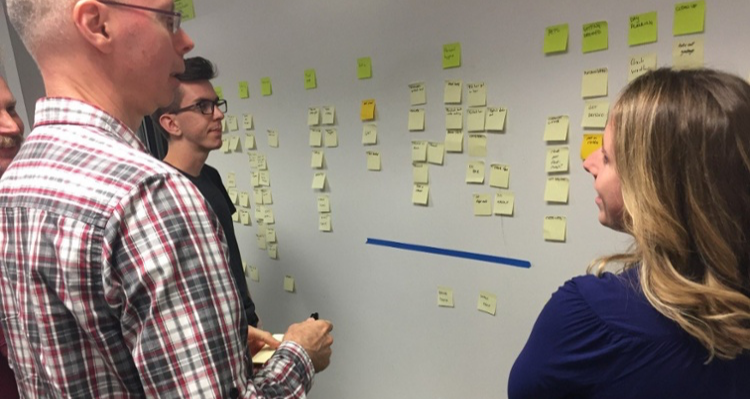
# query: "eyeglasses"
{"points": [[173, 21], [206, 107]]}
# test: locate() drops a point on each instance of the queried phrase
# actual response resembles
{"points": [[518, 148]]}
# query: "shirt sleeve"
{"points": [[179, 310]]}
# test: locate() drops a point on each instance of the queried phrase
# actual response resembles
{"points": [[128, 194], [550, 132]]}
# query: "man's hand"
{"points": [[314, 336], [257, 339]]}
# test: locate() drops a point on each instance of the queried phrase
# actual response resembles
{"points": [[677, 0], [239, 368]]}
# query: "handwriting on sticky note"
{"points": [[324, 222], [319, 181], [556, 39], [595, 36], [288, 283], [475, 118], [452, 92], [273, 250], [311, 79], [329, 115], [451, 55], [331, 138], [273, 138], [419, 151], [688, 54], [504, 203], [435, 153], [367, 113], [487, 302], [316, 137], [420, 194], [475, 172], [594, 82], [496, 119], [554, 228], [482, 204], [643, 29], [499, 175], [416, 119], [445, 297], [557, 159], [595, 114], [421, 173], [313, 116], [317, 159], [689, 17], [373, 160], [477, 94], [591, 142], [556, 128], [454, 140], [369, 134], [640, 64], [232, 123], [454, 118], [557, 189], [243, 90], [250, 141], [324, 204], [364, 68], [265, 86], [417, 93]]}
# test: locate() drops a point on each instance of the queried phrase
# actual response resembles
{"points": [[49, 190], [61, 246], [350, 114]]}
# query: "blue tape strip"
{"points": [[449, 252]]}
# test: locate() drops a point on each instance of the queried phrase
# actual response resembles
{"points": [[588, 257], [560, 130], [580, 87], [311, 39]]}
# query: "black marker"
{"points": [[314, 315]]}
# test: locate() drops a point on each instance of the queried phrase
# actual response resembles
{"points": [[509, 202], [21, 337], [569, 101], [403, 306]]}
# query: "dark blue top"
{"points": [[598, 337]]}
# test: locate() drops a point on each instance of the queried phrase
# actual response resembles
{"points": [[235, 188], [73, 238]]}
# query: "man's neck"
{"points": [[186, 161]]}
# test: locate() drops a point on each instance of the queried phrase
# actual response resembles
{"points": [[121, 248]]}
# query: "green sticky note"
{"points": [[185, 8], [265, 86], [689, 17], [643, 29], [311, 81], [364, 68], [219, 92], [595, 36], [556, 39], [244, 91], [451, 55]]}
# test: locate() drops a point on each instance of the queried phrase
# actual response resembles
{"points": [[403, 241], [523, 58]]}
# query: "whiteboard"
{"points": [[391, 338]]}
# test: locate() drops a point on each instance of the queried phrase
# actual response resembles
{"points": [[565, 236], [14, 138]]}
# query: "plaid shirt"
{"points": [[113, 273]]}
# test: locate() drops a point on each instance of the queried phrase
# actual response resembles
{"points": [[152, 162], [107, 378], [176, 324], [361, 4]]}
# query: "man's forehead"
{"points": [[202, 89]]}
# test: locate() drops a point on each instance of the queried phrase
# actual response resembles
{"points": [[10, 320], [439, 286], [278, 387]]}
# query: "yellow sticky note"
{"points": [[640, 64], [554, 228], [419, 151], [556, 39], [232, 123], [236, 217], [499, 175], [475, 119], [495, 119], [319, 181], [557, 190], [487, 302], [504, 203], [417, 94], [185, 8], [313, 116], [271, 234], [255, 179], [288, 283], [316, 138], [595, 114], [595, 82], [451, 55], [477, 145], [367, 113], [247, 121], [475, 172], [556, 128], [689, 17], [265, 86], [454, 141], [329, 115], [421, 173], [317, 160], [244, 199], [245, 217], [331, 138], [267, 197], [258, 195], [273, 251], [416, 119], [224, 125], [643, 29], [219, 92], [373, 160], [324, 222], [369, 134], [244, 90], [231, 179], [273, 138], [254, 275], [557, 159], [249, 141], [595, 36], [324, 204], [452, 92], [688, 54], [234, 143], [261, 226], [268, 217], [225, 146], [261, 162], [364, 68], [445, 297], [234, 196], [477, 94], [454, 118], [482, 205], [420, 195], [260, 240], [435, 153], [591, 143], [311, 80]]}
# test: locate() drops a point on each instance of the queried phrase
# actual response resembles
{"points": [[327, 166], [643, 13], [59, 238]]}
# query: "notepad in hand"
{"points": [[266, 352]]}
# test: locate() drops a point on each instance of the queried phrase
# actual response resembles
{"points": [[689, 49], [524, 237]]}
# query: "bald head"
{"points": [[40, 22]]}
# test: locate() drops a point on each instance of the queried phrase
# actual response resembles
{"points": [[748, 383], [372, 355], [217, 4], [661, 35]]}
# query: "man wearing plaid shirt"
{"points": [[114, 280]]}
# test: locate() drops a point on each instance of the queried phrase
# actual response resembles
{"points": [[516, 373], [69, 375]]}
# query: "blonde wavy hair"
{"points": [[682, 150]]}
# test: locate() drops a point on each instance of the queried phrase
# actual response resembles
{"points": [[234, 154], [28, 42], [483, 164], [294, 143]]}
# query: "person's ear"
{"points": [[169, 124], [92, 20]]}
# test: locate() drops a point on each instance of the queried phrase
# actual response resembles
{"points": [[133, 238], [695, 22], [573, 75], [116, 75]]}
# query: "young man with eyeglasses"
{"points": [[114, 273]]}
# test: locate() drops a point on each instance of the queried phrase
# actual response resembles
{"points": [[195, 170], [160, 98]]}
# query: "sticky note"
{"points": [[504, 203], [288, 283], [324, 204], [364, 68], [234, 143], [261, 162], [331, 138], [329, 115], [245, 217], [417, 93], [499, 175], [557, 189], [554, 228], [640, 64], [477, 145], [369, 134], [475, 118], [591, 142], [495, 119], [435, 153], [219, 92], [454, 118], [224, 125], [316, 138], [475, 172], [245, 199], [324, 222], [688, 54], [311, 81], [319, 181], [452, 92], [317, 160], [258, 195], [689, 17], [595, 114], [445, 297], [557, 159], [451, 55], [643, 29], [487, 302], [273, 251], [595, 36], [267, 197], [420, 194], [454, 140], [234, 196], [254, 275], [243, 90], [236, 217], [225, 146], [247, 121], [419, 151], [556, 128], [421, 173], [264, 178], [270, 234], [231, 179], [185, 8], [477, 94], [367, 113], [556, 39], [482, 204], [416, 119], [255, 179], [373, 160], [594, 82], [249, 141], [260, 240], [313, 116], [273, 138], [232, 123], [265, 86], [268, 217], [261, 227]]}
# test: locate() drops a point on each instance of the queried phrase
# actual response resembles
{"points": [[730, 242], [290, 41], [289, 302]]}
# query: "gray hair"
{"points": [[40, 21]]}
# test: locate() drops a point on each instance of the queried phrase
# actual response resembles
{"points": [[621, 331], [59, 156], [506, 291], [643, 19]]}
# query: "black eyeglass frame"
{"points": [[202, 106], [175, 15]]}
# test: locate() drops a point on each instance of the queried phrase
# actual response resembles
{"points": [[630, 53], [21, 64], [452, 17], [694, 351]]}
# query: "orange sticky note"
{"points": [[368, 110]]}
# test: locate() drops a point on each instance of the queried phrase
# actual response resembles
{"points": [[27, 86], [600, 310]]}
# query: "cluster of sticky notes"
{"points": [[325, 115], [324, 213], [328, 137], [487, 301]]}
